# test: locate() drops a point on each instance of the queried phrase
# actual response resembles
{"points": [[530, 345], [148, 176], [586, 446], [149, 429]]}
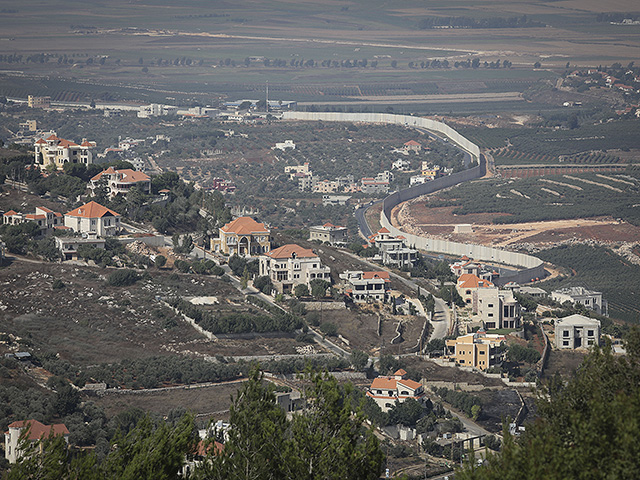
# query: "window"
{"points": [[589, 333], [565, 333], [391, 392], [490, 305], [468, 292], [315, 265], [565, 343], [461, 360], [490, 315]]}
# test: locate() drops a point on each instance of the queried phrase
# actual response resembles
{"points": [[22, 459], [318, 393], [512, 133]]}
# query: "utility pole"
{"points": [[267, 98]]}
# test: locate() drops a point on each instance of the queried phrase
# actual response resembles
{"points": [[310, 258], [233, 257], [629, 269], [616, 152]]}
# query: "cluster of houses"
{"points": [[303, 175], [493, 308], [291, 265]]}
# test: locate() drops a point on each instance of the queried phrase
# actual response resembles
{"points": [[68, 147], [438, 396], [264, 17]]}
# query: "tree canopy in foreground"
{"points": [[587, 428]]}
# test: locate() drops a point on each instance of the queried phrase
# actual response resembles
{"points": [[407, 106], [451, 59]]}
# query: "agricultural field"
{"points": [[310, 51], [598, 268], [585, 145], [559, 197]]}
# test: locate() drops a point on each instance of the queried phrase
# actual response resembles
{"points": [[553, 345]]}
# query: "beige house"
{"points": [[46, 219], [497, 308], [243, 236], [37, 431], [367, 287], [468, 284], [577, 331], [480, 350], [93, 218], [58, 151], [329, 233], [292, 265], [121, 181], [387, 390], [591, 299]]}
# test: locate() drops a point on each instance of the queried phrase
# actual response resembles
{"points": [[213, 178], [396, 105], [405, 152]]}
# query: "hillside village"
{"points": [[192, 285], [313, 287]]}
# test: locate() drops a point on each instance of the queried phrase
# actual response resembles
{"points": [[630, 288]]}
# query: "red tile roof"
{"points": [[384, 383], [39, 430], [245, 226], [86, 143], [41, 141], [11, 212], [383, 230], [287, 251], [92, 210], [409, 383], [128, 175], [469, 280], [372, 275], [400, 373], [412, 143]]}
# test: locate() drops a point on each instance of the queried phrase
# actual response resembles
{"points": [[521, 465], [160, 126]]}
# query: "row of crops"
{"points": [[509, 156]]}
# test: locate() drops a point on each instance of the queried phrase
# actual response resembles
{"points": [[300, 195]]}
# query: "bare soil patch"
{"points": [[564, 363], [200, 401], [416, 217], [497, 406], [89, 322], [431, 371]]}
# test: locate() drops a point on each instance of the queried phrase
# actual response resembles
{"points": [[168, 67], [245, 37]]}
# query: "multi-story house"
{"points": [[591, 299], [37, 431], [46, 219], [576, 331], [497, 308], [468, 284], [38, 102], [367, 287], [326, 186], [393, 250], [93, 218], [58, 151], [68, 246], [291, 265], [121, 181], [480, 350], [244, 237], [387, 390], [329, 233]]}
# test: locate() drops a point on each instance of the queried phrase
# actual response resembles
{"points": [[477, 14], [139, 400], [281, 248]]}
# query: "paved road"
{"points": [[363, 226], [441, 319]]}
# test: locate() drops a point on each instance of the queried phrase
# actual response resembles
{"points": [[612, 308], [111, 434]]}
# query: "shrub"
{"points": [[123, 278], [57, 284]]}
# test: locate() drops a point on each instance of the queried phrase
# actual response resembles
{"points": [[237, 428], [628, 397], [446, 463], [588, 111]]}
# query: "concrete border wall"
{"points": [[389, 118], [532, 267]]}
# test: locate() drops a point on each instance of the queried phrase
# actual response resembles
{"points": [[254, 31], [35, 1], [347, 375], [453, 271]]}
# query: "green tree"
{"points": [[301, 290], [319, 288], [587, 427], [256, 443], [328, 439], [160, 261], [406, 413], [359, 360]]}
